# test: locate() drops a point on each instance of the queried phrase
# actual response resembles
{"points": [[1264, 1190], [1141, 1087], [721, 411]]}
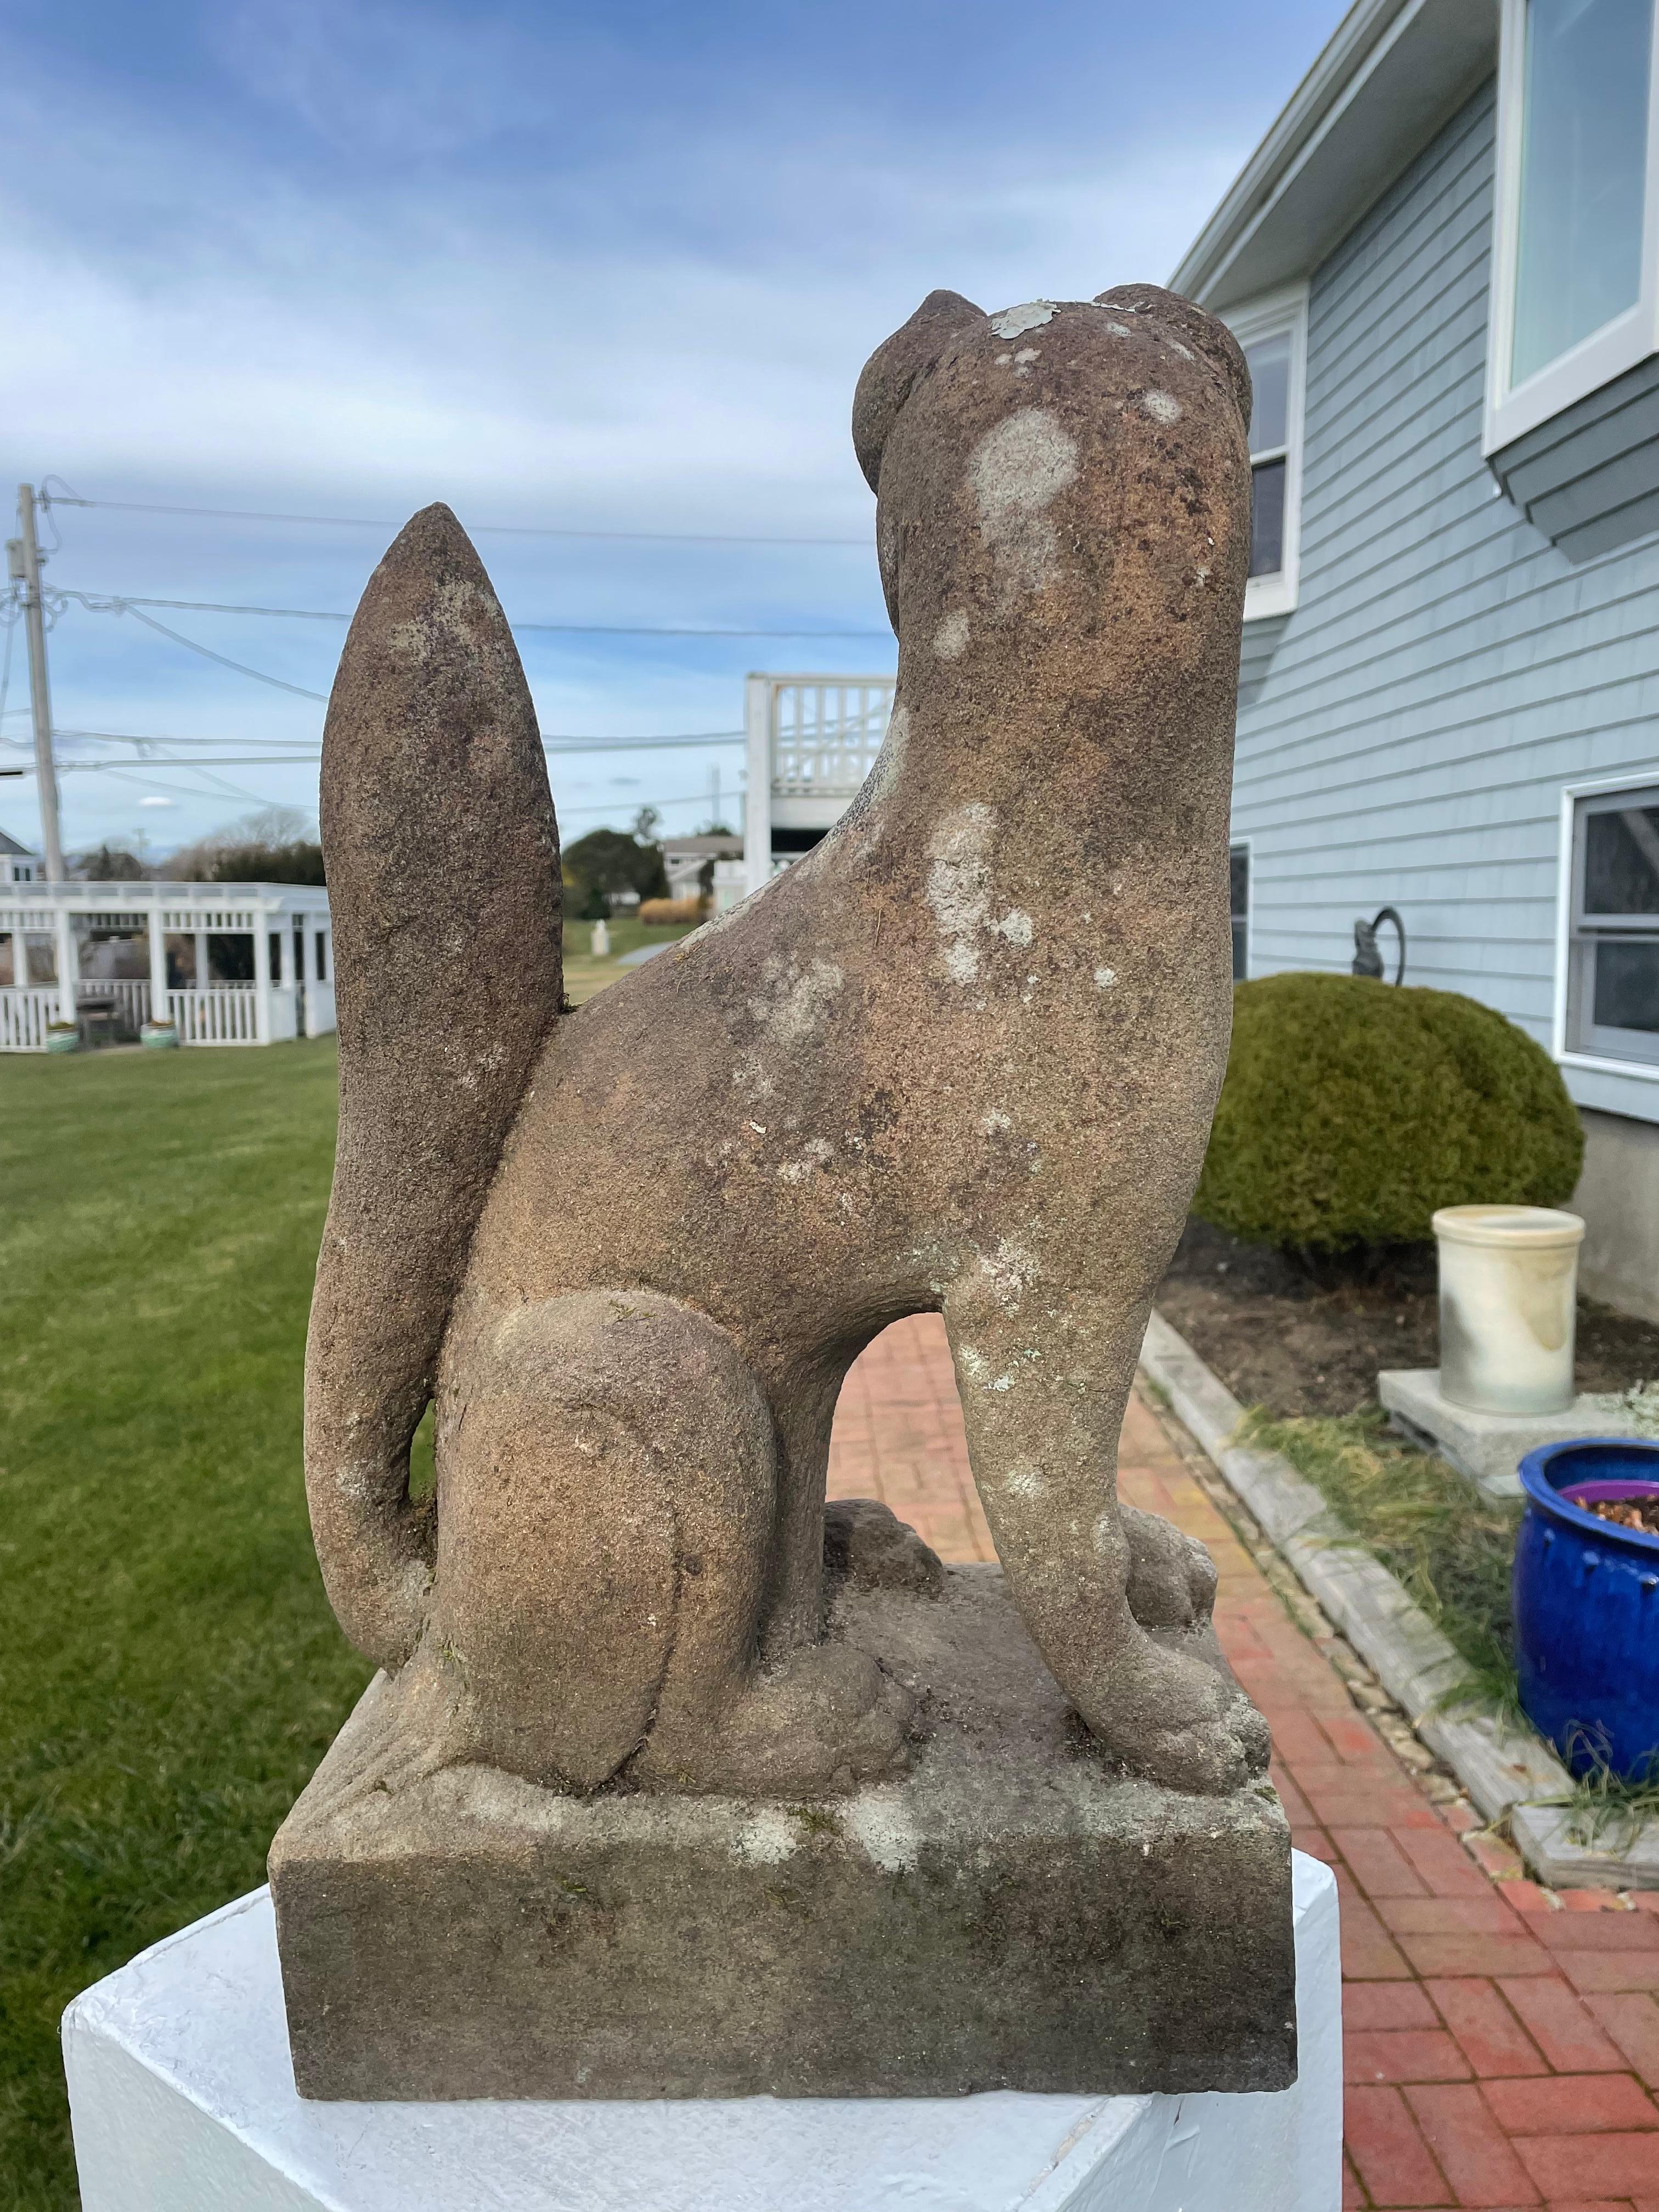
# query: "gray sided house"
{"points": [[1443, 263], [17, 864]]}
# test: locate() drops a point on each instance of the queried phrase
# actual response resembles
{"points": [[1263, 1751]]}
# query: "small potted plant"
{"points": [[1586, 1601], [159, 1036], [62, 1036]]}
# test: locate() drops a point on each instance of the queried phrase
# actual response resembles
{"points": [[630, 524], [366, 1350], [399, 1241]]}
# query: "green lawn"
{"points": [[171, 1671], [584, 976], [1429, 1525], [1453, 1549]]}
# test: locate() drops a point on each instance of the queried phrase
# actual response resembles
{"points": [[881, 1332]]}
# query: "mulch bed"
{"points": [[1311, 1338]]}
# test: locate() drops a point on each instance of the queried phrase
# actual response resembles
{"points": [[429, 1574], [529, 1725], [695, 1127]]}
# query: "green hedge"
{"points": [[1350, 1110]]}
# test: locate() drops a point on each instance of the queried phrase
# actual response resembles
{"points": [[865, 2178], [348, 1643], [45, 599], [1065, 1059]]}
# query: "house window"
{"points": [[1239, 872], [1573, 275], [1270, 381], [1273, 333], [1613, 971]]}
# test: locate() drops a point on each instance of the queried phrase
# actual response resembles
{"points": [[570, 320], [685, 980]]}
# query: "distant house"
{"points": [[685, 858], [17, 864], [1443, 261]]}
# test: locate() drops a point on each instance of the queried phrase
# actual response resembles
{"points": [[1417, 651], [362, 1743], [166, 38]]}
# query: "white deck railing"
{"points": [[225, 1014], [812, 742], [287, 925], [320, 1009], [24, 1014], [825, 735]]}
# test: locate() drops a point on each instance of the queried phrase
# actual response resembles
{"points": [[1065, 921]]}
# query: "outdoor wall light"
{"points": [[1367, 960]]}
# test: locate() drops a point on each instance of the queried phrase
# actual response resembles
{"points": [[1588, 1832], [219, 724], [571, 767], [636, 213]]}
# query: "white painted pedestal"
{"points": [[184, 2101]]}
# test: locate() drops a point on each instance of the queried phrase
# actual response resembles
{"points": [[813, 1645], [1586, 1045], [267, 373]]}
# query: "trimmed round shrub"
{"points": [[1352, 1110]]}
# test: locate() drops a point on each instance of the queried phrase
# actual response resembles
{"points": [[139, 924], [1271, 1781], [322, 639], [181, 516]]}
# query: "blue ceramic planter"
{"points": [[1586, 1596]]}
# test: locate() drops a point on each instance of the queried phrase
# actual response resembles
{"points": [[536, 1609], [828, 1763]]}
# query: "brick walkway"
{"points": [[1501, 2040]]}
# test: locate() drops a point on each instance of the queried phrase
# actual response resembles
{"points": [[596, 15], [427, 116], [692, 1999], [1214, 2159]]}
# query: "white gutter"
{"points": [[1392, 73]]}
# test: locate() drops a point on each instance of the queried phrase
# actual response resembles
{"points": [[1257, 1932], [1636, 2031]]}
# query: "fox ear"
{"points": [[1207, 332], [892, 371]]}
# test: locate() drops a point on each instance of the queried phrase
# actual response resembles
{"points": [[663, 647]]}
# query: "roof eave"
{"points": [[1393, 72]]}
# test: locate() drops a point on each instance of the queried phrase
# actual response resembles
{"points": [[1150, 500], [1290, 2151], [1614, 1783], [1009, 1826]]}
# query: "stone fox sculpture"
{"points": [[961, 1058]]}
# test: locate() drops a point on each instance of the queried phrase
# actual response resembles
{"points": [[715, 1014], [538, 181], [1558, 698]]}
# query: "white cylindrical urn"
{"points": [[1508, 1284]]}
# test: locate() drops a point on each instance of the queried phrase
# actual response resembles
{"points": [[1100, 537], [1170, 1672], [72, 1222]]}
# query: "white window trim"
{"points": [[1275, 315], [1247, 846], [1605, 354], [1632, 779]]}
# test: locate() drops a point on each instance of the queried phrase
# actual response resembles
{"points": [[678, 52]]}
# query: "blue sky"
{"points": [[602, 268]]}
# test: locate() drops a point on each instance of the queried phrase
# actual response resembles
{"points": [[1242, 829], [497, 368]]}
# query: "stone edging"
{"points": [[1507, 1773]]}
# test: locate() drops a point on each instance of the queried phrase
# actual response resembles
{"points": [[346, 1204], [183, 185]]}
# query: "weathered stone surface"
{"points": [[445, 904], [866, 1544], [961, 1058], [1014, 1912]]}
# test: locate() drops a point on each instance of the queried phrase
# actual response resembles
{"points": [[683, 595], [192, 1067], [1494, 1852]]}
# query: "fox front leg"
{"points": [[1044, 1391]]}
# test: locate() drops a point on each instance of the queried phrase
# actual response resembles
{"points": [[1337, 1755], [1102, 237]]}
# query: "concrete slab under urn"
{"points": [[1013, 1912], [1488, 1448]]}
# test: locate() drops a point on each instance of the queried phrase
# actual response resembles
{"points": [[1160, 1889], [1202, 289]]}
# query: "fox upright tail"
{"points": [[442, 856]]}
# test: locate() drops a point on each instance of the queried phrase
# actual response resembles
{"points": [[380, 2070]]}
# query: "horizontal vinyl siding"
{"points": [[1589, 479], [1405, 735]]}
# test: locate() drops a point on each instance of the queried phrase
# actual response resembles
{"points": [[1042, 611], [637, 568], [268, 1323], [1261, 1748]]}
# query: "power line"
{"points": [[308, 758], [476, 529], [241, 668], [114, 602], [105, 603], [125, 773], [551, 744], [127, 737], [121, 603], [213, 760]]}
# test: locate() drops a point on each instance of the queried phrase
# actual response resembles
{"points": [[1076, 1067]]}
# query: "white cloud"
{"points": [[662, 339], [397, 81]]}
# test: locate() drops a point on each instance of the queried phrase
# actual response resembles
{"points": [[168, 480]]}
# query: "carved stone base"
{"points": [[1013, 1914]]}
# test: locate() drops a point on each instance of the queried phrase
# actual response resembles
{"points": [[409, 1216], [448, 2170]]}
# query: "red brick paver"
{"points": [[1501, 2041], [898, 1436]]}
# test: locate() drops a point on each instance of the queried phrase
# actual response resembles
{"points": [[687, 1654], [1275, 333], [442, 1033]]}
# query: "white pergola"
{"points": [[293, 997]]}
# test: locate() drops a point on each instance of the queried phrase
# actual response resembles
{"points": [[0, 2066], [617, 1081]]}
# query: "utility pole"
{"points": [[28, 568]]}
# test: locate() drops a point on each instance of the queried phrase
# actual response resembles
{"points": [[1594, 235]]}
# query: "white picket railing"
{"points": [[320, 1009], [23, 1017], [225, 1014], [825, 736], [77, 917]]}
